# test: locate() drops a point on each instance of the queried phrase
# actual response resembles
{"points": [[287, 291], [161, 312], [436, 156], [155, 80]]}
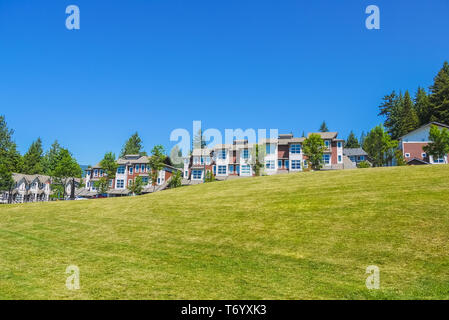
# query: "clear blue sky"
{"points": [[152, 66]]}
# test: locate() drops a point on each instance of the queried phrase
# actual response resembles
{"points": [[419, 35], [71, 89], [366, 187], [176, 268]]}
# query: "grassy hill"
{"points": [[297, 236]]}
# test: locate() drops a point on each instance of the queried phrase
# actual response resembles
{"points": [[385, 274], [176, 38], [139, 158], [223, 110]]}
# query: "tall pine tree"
{"points": [[439, 96], [133, 146], [352, 141], [422, 106], [32, 160], [408, 119], [323, 127]]}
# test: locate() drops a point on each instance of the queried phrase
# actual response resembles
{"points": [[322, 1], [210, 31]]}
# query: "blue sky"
{"points": [[153, 66]]}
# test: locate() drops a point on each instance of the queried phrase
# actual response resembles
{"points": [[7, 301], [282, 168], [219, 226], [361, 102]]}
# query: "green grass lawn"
{"points": [[297, 236]]}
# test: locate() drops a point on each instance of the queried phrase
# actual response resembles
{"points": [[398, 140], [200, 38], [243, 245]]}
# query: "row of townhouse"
{"points": [[282, 154], [413, 142], [129, 168], [31, 188]]}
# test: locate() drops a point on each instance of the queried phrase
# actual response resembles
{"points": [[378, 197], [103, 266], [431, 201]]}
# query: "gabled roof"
{"points": [[201, 152], [324, 135], [354, 152], [438, 124]]}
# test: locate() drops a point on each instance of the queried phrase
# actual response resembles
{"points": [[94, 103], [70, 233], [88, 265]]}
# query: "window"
{"points": [[186, 174], [279, 163], [145, 180], [130, 182], [423, 155], [326, 143], [296, 164], [196, 174], [407, 155], [196, 160], [246, 169], [207, 160], [438, 160], [120, 184], [326, 158], [110, 183], [215, 170], [231, 168], [245, 153], [339, 158], [222, 154], [295, 148], [270, 148], [137, 168], [270, 164], [286, 164], [142, 168], [101, 172], [130, 170], [339, 144], [121, 170], [237, 169], [306, 164], [221, 169], [95, 173]]}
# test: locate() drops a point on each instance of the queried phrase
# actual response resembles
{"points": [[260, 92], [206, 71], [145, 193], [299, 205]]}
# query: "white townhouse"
{"points": [[28, 188]]}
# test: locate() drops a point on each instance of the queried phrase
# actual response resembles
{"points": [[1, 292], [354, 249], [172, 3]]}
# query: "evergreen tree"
{"points": [[9, 156], [32, 160], [439, 97], [323, 127], [199, 141], [422, 106], [408, 119], [6, 181], [51, 158], [352, 141], [133, 146], [362, 138], [390, 109], [156, 163]]}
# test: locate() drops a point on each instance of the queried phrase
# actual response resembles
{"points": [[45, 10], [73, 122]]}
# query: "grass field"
{"points": [[296, 236]]}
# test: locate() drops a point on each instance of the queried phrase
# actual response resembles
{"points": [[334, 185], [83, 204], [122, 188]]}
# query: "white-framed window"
{"points": [[407, 155], [295, 148], [231, 168], [279, 163], [145, 180], [196, 174], [245, 153], [222, 154], [95, 173], [207, 160], [246, 169], [196, 160], [269, 164], [110, 183], [296, 164], [130, 182], [137, 168], [326, 158], [142, 168], [121, 170], [423, 155], [221, 169], [270, 148], [327, 143], [120, 184], [286, 162], [130, 170], [339, 158], [339, 144], [101, 172], [438, 160], [186, 174]]}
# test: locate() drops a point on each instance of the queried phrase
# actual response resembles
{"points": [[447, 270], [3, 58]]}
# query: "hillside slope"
{"points": [[295, 236]]}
